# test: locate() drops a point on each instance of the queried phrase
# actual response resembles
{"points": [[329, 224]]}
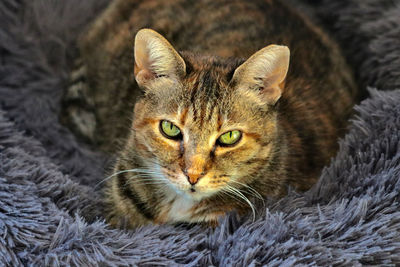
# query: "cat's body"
{"points": [[289, 125]]}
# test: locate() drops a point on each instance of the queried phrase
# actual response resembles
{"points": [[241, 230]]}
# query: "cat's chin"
{"points": [[198, 195], [195, 194]]}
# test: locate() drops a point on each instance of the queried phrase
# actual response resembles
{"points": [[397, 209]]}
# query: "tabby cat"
{"points": [[246, 100]]}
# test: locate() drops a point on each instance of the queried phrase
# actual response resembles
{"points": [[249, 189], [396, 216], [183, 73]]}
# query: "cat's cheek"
{"points": [[139, 145], [139, 108], [139, 111], [172, 176], [209, 185], [146, 146], [225, 158], [150, 143], [252, 151], [172, 173], [265, 151], [168, 155]]}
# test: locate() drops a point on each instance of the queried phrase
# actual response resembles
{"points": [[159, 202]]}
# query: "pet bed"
{"points": [[51, 209]]}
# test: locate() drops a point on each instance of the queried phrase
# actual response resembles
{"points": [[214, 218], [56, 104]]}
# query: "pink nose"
{"points": [[195, 168], [194, 177]]}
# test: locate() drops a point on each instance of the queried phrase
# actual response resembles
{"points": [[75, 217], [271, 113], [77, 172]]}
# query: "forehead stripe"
{"points": [[183, 115]]}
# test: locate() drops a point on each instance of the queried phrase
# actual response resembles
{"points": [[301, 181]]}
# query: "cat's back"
{"points": [[229, 28]]}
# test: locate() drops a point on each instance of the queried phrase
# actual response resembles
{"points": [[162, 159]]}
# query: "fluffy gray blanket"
{"points": [[50, 211]]}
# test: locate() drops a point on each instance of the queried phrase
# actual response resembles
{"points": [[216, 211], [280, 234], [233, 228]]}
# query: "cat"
{"points": [[216, 103]]}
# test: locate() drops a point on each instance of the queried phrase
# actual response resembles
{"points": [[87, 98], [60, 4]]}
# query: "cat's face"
{"points": [[207, 126]]}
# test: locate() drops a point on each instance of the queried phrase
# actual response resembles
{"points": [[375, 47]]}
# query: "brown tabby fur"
{"points": [[284, 144]]}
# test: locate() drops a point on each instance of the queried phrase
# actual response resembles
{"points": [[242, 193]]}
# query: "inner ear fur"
{"points": [[265, 71], [155, 57]]}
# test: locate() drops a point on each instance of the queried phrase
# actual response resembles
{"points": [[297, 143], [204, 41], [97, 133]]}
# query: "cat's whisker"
{"points": [[152, 183], [147, 180], [232, 194], [252, 191], [125, 171], [240, 194], [109, 177]]}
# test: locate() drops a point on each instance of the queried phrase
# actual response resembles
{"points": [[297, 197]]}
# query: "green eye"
{"points": [[170, 130], [230, 138]]}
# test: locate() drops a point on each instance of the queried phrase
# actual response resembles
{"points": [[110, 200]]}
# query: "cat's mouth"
{"points": [[195, 192], [179, 182]]}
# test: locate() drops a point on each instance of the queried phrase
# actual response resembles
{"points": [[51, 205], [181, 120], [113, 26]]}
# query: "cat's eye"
{"points": [[169, 130], [229, 138]]}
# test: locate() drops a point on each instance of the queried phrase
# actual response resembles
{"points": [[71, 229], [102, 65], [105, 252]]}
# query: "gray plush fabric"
{"points": [[50, 212]]}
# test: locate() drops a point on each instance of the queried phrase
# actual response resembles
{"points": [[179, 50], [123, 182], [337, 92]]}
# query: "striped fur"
{"points": [[284, 144]]}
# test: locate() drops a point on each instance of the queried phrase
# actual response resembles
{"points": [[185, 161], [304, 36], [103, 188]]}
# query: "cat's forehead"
{"points": [[204, 99], [215, 67], [209, 98], [208, 80], [210, 103], [206, 88]]}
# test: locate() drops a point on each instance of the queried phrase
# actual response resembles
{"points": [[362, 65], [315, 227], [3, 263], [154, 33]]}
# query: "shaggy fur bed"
{"points": [[50, 213]]}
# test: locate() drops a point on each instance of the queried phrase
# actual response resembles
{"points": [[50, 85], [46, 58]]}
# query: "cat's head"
{"points": [[206, 124]]}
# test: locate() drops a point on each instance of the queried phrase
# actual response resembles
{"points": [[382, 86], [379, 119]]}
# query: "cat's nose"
{"points": [[193, 177], [195, 168]]}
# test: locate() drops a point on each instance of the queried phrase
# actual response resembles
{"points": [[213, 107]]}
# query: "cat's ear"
{"points": [[155, 57], [265, 72]]}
